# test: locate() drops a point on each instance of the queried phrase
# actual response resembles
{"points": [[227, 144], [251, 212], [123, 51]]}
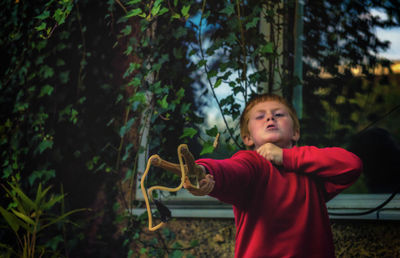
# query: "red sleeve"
{"points": [[336, 168], [235, 177]]}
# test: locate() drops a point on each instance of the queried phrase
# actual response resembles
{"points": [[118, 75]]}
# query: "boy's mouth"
{"points": [[271, 127]]}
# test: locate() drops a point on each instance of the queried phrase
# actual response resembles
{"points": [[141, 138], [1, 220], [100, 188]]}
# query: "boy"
{"points": [[278, 190]]}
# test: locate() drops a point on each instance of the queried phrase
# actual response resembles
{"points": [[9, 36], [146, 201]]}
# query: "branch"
{"points": [[122, 6], [208, 78]]}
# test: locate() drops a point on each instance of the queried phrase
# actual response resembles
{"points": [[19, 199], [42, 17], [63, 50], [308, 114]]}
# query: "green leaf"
{"points": [[155, 9], [47, 71], [25, 201], [64, 77], [207, 148], [133, 2], [185, 10], [46, 90], [12, 221], [44, 15], [268, 48], [42, 26], [194, 243], [53, 200], [188, 132], [253, 23], [46, 144], [212, 132], [163, 103], [125, 128], [218, 83], [24, 217], [163, 10], [228, 10], [212, 73], [134, 12], [44, 175], [176, 254], [202, 63], [40, 195], [127, 30], [176, 16]]}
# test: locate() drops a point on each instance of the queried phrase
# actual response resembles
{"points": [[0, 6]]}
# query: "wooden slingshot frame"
{"points": [[187, 169]]}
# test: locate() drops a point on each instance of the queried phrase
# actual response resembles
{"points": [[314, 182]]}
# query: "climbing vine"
{"points": [[86, 85]]}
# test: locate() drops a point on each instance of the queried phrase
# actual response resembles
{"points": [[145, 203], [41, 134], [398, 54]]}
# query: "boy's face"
{"points": [[270, 122]]}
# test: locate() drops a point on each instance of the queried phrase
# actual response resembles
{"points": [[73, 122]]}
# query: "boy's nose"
{"points": [[270, 117]]}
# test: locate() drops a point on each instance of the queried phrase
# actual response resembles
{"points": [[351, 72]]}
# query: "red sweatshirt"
{"points": [[281, 212]]}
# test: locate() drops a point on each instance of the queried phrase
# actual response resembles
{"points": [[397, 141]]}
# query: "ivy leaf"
{"points": [[46, 90], [125, 128], [162, 11], [228, 10], [185, 11], [46, 144], [212, 132], [176, 254], [127, 30], [176, 16], [194, 243], [134, 12], [47, 71], [133, 2], [207, 148], [42, 26], [163, 103], [64, 77], [156, 9], [201, 63], [268, 48], [44, 15], [188, 132], [252, 23], [212, 73]]}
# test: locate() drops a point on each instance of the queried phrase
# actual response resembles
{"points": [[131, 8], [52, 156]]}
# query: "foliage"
{"points": [[28, 218], [85, 81], [336, 104]]}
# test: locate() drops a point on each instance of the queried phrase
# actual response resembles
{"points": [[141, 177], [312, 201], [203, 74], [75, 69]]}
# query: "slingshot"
{"points": [[187, 169]]}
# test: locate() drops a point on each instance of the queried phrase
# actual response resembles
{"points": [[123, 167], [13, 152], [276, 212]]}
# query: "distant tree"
{"points": [[339, 36]]}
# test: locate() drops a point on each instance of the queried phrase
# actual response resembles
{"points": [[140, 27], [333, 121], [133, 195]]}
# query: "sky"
{"points": [[392, 35]]}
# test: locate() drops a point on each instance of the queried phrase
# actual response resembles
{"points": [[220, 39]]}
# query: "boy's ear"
{"points": [[296, 136], [247, 141]]}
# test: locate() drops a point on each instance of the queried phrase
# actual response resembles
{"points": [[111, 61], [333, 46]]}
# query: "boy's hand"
{"points": [[206, 186], [272, 153]]}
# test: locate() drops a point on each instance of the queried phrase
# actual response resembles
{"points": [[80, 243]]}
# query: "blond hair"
{"points": [[244, 118]]}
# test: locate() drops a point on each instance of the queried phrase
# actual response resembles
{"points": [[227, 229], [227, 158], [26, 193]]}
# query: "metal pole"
{"points": [[298, 56]]}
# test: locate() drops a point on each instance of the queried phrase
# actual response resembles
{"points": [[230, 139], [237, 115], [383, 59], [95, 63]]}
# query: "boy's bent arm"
{"points": [[234, 177], [337, 168]]}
